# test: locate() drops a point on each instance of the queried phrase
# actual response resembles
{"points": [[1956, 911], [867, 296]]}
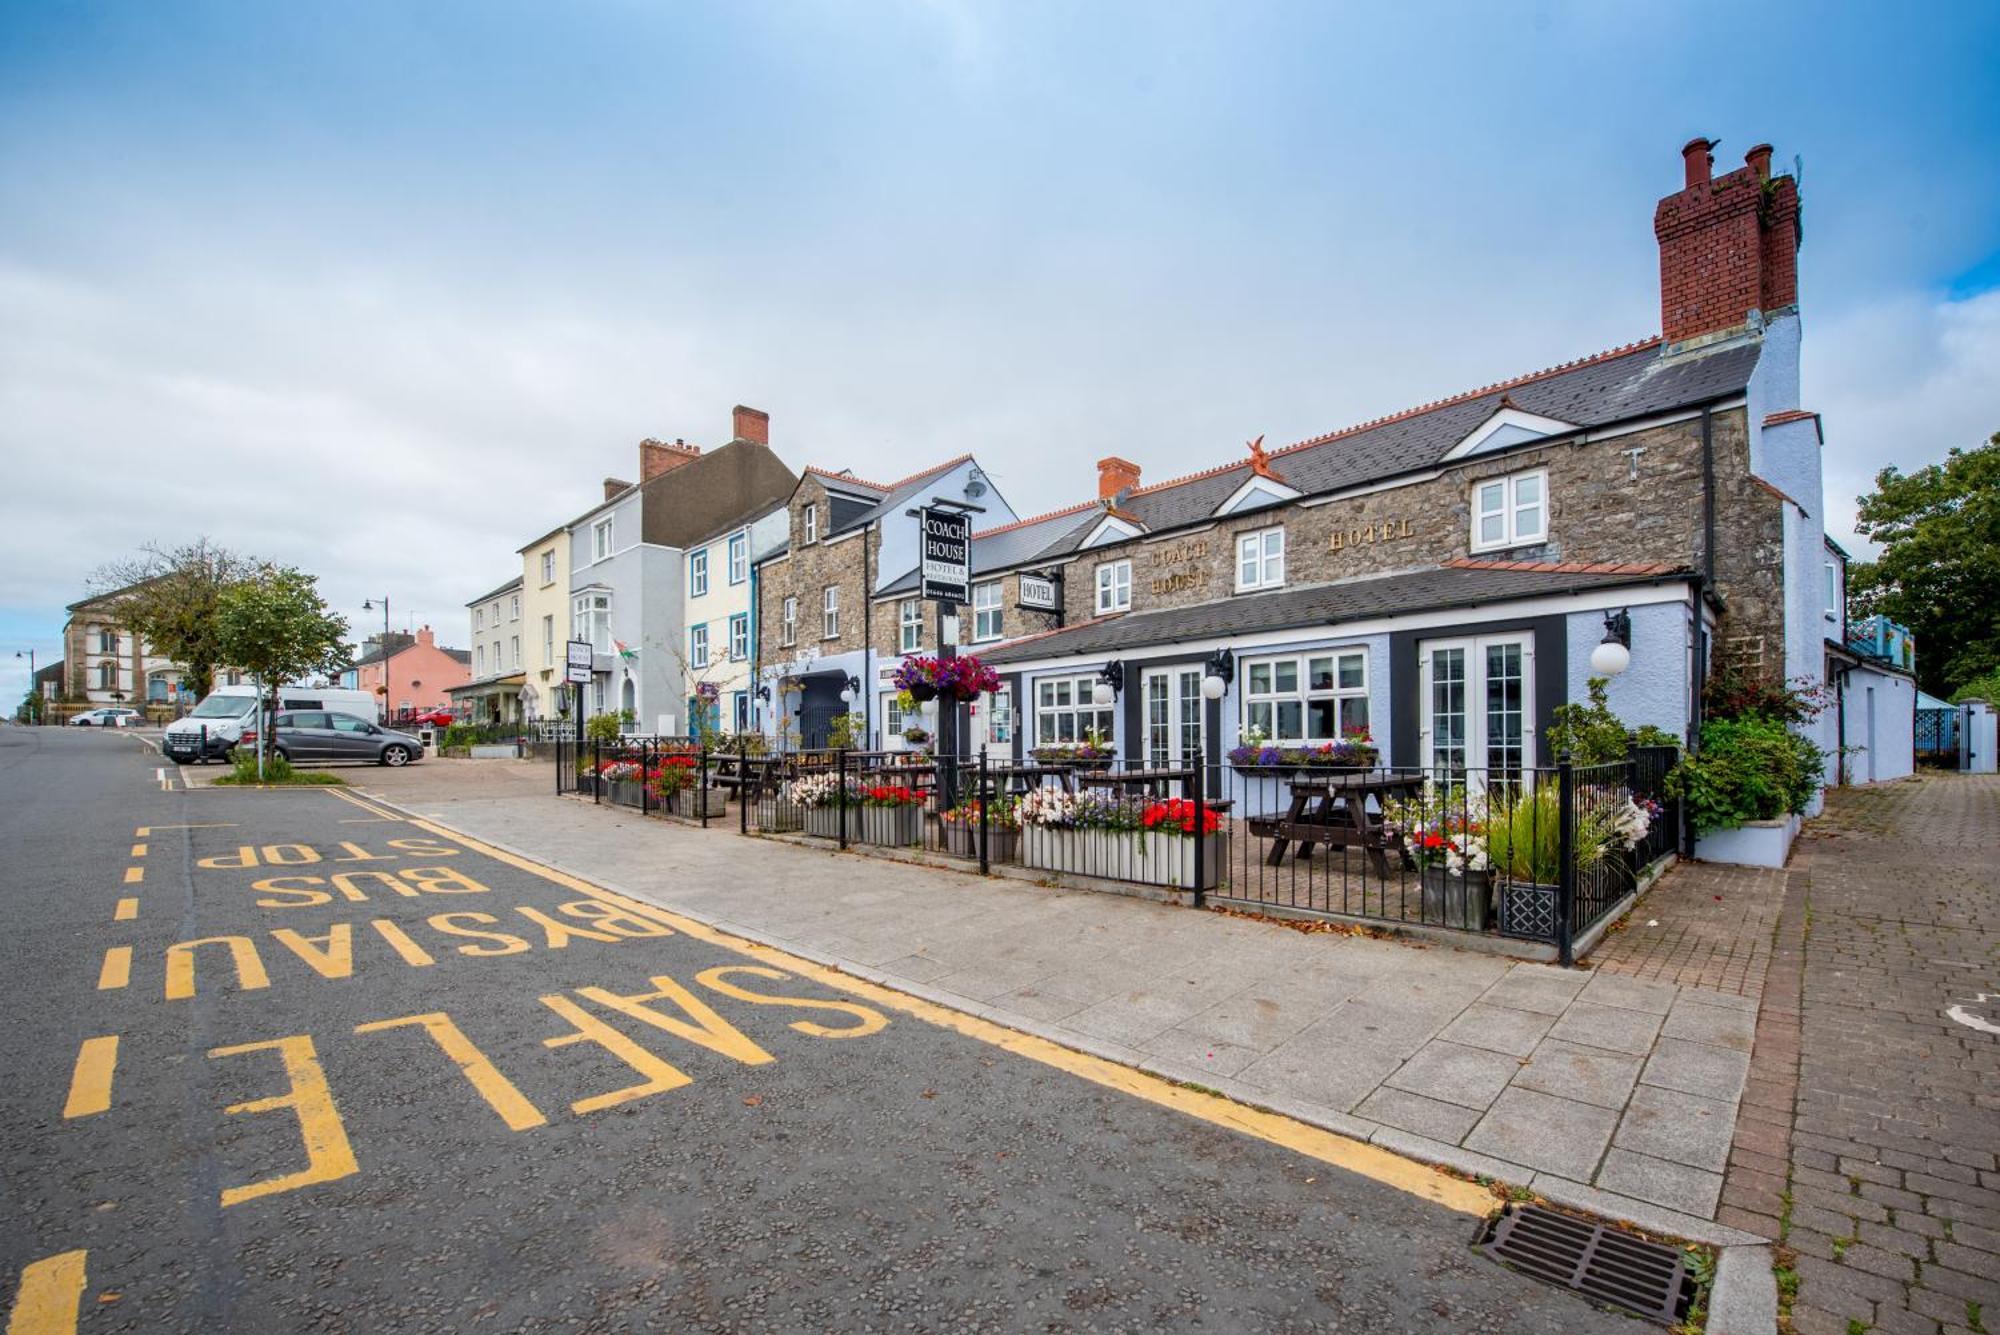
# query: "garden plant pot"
{"points": [[624, 792], [890, 827], [1529, 910], [1461, 900], [961, 839], [824, 822], [1144, 857], [923, 692]]}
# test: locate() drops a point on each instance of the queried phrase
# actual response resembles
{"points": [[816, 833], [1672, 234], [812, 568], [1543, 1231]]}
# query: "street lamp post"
{"points": [[34, 685], [369, 606]]}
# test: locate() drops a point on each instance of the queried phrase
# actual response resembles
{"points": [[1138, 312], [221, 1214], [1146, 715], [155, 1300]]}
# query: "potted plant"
{"points": [[622, 780], [1524, 849], [1443, 831], [1093, 750], [962, 679], [892, 815], [820, 798], [1003, 828], [916, 736], [1125, 839]]}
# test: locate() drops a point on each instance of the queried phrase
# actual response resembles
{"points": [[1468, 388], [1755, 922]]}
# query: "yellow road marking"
{"points": [[134, 875], [90, 1083], [117, 970], [328, 1155], [128, 909], [145, 830], [498, 1091], [50, 1290], [378, 812], [138, 850], [1354, 1156]]}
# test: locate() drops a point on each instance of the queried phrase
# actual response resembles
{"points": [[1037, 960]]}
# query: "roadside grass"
{"points": [[277, 772]]}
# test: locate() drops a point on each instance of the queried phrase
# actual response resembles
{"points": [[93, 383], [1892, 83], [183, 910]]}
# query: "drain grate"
{"points": [[1601, 1263]]}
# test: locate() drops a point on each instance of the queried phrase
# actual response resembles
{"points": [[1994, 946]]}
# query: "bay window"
{"points": [[1314, 697], [592, 616]]}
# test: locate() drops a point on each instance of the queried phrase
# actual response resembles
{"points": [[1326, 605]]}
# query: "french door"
{"points": [[1479, 704], [1173, 718]]}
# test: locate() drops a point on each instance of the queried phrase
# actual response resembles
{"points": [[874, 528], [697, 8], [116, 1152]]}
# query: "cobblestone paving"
{"points": [[1703, 925], [1894, 1186]]}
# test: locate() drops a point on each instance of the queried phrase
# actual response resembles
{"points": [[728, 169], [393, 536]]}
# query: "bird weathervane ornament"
{"points": [[1260, 460]]}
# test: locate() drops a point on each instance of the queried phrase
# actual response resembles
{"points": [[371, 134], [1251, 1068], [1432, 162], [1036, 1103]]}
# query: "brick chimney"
{"points": [[657, 457], [751, 424], [614, 485], [425, 638], [1115, 475], [1729, 245]]}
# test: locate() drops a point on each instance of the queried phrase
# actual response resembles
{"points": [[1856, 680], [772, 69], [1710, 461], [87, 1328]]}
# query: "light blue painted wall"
{"points": [[1881, 723], [1656, 688], [901, 542]]}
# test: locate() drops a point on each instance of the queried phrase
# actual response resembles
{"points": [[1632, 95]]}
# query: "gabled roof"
{"points": [[397, 642], [1616, 386], [508, 587], [1461, 584], [888, 499], [1014, 544]]}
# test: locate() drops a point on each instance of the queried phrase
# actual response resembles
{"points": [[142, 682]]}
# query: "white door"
{"points": [[1173, 718], [1479, 703]]}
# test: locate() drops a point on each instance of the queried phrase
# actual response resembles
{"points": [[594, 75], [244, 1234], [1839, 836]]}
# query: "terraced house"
{"points": [[1441, 575]]}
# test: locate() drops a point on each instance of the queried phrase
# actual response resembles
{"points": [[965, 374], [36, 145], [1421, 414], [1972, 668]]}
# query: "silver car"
{"points": [[106, 718], [318, 734]]}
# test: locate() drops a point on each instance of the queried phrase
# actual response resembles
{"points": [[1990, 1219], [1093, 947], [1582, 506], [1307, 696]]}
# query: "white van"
{"points": [[224, 712]]}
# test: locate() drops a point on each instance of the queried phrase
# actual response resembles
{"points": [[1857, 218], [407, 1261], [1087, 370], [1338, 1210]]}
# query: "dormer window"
{"points": [[1510, 511]]}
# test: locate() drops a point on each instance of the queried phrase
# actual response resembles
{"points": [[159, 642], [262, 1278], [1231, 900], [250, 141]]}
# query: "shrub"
{"points": [[1734, 692], [277, 770], [1749, 768]]}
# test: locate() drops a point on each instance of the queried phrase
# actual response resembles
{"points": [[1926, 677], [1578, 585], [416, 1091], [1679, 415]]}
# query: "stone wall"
{"points": [[805, 574], [1014, 621]]}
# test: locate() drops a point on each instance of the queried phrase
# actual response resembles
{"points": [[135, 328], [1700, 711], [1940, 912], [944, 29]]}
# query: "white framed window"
{"points": [[1260, 560], [479, 618], [788, 622], [1114, 587], [698, 573], [107, 641], [549, 566], [1064, 713], [479, 659], [1832, 583], [513, 651], [739, 558], [1000, 717], [600, 539], [1510, 511], [909, 626], [812, 523], [514, 607], [893, 722], [739, 636], [549, 640], [698, 646], [829, 612], [1312, 697], [591, 615], [986, 610]]}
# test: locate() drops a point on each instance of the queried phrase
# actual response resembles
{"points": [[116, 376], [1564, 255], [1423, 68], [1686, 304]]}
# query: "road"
{"points": [[286, 1060]]}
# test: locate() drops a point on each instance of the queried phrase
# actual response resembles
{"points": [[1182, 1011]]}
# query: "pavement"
{"points": [[1609, 1092], [290, 1059]]}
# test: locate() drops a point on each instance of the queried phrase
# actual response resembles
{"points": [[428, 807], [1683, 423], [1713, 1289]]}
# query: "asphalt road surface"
{"points": [[284, 1061]]}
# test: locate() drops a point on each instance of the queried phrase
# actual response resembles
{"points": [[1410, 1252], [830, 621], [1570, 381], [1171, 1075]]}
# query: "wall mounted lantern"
{"points": [[1614, 653], [1219, 671], [1109, 682]]}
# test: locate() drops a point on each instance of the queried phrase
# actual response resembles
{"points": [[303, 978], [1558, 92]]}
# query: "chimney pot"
{"points": [[752, 424], [1698, 156], [1759, 159], [1115, 475]]}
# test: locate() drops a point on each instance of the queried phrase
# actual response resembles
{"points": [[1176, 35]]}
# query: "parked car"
{"points": [[109, 717], [317, 734], [430, 718], [217, 723]]}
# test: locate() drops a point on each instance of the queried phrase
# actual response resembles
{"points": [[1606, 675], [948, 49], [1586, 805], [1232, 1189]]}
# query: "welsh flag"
{"points": [[625, 651]]}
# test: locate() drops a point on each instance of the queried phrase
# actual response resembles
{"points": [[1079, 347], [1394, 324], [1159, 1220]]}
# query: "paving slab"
{"points": [[1720, 1026], [1676, 1186], [1612, 1027], [1588, 1075], [1415, 1113], [1682, 1128], [1323, 1064], [1633, 994], [1201, 1054], [1538, 988], [1545, 1133], [1454, 1073], [1498, 1029], [1697, 1068]]}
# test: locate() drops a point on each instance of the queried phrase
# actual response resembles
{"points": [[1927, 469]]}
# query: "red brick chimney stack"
{"points": [[1115, 475], [426, 637], [657, 457], [1729, 245], [752, 424]]}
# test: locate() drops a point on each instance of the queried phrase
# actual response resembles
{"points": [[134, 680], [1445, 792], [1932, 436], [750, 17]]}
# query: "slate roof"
{"points": [[1017, 544], [1460, 584], [398, 641], [1615, 386], [892, 498], [508, 587]]}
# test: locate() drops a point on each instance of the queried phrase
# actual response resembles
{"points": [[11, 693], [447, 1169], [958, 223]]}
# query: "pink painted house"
{"points": [[419, 674]]}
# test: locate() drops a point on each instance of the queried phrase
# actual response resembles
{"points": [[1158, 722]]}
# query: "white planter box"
{"points": [[1760, 843], [1122, 855]]}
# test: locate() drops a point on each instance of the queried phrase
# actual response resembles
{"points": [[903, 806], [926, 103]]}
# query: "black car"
{"points": [[317, 734]]}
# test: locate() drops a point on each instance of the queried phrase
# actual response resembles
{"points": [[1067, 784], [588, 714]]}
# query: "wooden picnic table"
{"points": [[1332, 809]]}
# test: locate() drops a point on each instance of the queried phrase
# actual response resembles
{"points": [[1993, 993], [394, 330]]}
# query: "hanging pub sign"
{"points": [[947, 554], [1038, 592], [578, 665]]}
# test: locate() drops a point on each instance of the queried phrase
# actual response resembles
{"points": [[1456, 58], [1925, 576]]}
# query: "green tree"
{"points": [[275, 626], [1939, 572], [168, 597]]}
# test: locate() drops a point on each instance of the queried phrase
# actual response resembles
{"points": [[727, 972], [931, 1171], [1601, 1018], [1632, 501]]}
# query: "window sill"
{"points": [[1497, 548]]}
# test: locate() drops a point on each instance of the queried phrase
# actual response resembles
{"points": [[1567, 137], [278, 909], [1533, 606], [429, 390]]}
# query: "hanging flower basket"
{"points": [[959, 679]]}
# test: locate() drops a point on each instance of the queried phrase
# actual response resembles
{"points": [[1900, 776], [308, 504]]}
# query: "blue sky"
{"points": [[385, 289]]}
